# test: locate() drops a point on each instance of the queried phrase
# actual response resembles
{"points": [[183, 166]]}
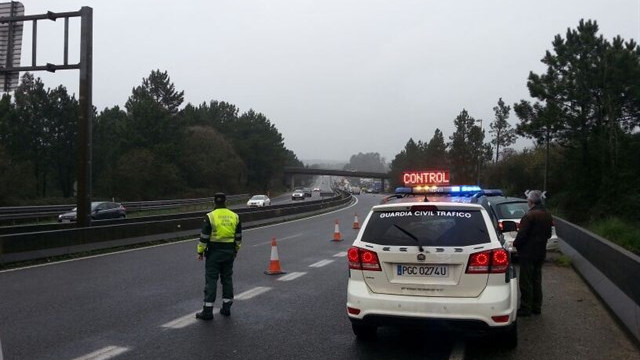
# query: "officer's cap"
{"points": [[219, 198]]}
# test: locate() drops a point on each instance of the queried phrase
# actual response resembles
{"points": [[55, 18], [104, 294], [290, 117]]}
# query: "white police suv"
{"points": [[431, 257]]}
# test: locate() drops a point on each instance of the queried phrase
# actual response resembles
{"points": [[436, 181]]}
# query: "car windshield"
{"points": [[438, 228], [512, 210], [258, 197]]}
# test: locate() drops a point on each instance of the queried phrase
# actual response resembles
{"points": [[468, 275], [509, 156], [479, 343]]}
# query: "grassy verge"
{"points": [[623, 233]]}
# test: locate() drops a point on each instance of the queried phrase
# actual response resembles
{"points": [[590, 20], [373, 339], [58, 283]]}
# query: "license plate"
{"points": [[422, 270]]}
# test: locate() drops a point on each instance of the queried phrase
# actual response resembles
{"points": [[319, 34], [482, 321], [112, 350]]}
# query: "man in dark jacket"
{"points": [[531, 243]]}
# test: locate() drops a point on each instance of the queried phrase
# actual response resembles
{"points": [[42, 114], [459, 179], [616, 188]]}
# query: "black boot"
{"points": [[226, 308], [206, 313]]}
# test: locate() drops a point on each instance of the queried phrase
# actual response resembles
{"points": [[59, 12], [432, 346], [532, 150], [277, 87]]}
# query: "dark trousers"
{"points": [[530, 280], [219, 264]]}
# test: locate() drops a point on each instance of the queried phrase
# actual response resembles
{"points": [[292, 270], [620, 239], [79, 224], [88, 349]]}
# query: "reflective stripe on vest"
{"points": [[223, 225]]}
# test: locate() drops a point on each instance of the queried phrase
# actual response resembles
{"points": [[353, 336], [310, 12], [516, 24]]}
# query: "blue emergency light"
{"points": [[452, 190]]}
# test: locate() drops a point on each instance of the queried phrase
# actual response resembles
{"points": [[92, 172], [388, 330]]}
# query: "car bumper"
{"points": [[454, 313]]}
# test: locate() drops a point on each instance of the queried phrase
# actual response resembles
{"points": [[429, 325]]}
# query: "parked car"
{"points": [[259, 201], [307, 192], [505, 208], [298, 195], [100, 210], [435, 261]]}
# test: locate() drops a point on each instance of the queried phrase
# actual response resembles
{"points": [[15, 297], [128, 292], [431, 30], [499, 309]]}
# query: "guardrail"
{"points": [[40, 212], [613, 272], [41, 244]]}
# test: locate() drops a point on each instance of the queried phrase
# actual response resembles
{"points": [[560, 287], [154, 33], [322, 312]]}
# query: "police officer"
{"points": [[531, 243], [220, 240]]}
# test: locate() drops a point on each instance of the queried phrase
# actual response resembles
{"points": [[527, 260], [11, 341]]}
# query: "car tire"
{"points": [[510, 337], [364, 332]]}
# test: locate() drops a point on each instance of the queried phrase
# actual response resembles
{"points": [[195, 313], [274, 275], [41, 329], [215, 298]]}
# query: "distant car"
{"points": [[316, 189], [355, 190], [437, 262], [307, 192], [298, 195], [100, 210], [504, 208], [259, 201]]}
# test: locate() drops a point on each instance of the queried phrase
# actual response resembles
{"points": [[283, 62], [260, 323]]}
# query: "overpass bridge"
{"points": [[292, 171]]}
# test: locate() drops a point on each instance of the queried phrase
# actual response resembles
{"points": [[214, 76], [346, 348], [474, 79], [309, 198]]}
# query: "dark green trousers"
{"points": [[530, 281], [219, 264]]}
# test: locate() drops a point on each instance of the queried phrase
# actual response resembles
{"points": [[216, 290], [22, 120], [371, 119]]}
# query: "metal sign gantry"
{"points": [[85, 92]]}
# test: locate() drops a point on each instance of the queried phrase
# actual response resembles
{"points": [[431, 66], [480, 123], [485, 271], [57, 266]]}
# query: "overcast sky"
{"points": [[336, 77]]}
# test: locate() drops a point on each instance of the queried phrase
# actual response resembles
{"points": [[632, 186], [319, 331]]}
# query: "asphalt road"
{"points": [[140, 305]]}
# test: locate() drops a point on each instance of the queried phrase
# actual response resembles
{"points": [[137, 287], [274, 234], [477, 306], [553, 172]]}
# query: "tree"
{"points": [[436, 152], [158, 88], [63, 119], [143, 176], [151, 121], [109, 139], [30, 130], [210, 163], [410, 158], [466, 149], [504, 135], [261, 147], [588, 103]]}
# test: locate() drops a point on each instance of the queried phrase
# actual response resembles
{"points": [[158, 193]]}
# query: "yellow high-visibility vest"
{"points": [[223, 225]]}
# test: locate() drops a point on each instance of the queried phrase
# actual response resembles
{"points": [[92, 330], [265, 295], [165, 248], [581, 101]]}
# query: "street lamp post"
{"points": [[479, 155]]}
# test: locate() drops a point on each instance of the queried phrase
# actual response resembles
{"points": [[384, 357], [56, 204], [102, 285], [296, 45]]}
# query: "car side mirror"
{"points": [[508, 226]]}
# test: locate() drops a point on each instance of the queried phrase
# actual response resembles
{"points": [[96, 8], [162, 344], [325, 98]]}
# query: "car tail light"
{"points": [[353, 311], [362, 259], [489, 261], [500, 318]]}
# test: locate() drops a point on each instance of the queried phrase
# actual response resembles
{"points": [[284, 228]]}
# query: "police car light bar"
{"points": [[453, 190]]}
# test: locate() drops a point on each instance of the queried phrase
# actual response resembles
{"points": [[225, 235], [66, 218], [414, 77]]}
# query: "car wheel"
{"points": [[510, 336], [364, 332]]}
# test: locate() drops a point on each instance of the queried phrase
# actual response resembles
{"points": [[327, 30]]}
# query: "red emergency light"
{"points": [[426, 177]]}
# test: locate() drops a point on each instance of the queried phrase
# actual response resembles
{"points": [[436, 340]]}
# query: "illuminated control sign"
{"points": [[426, 177]]}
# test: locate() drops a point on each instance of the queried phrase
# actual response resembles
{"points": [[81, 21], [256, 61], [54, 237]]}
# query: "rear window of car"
{"points": [[513, 210], [432, 228]]}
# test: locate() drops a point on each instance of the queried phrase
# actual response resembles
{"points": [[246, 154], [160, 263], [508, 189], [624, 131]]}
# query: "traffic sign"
{"points": [[10, 44]]}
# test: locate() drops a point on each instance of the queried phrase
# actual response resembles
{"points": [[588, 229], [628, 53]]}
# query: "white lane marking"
{"points": [[292, 276], [279, 239], [457, 353], [321, 263], [104, 353], [341, 254], [251, 293], [184, 321]]}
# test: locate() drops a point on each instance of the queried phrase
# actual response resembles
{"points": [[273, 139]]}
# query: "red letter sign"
{"points": [[426, 177]]}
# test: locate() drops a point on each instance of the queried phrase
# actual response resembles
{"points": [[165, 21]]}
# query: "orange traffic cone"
{"points": [[274, 263], [336, 232], [356, 224]]}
